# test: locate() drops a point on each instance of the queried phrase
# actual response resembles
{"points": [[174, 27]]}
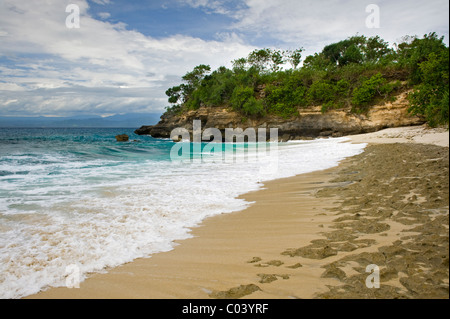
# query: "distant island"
{"points": [[354, 86], [129, 120]]}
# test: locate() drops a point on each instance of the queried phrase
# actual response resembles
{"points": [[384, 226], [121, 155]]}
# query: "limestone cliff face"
{"points": [[310, 122]]}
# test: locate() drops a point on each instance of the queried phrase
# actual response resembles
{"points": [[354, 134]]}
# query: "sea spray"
{"points": [[77, 197]]}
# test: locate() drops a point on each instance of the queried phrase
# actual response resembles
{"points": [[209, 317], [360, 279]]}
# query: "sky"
{"points": [[126, 54]]}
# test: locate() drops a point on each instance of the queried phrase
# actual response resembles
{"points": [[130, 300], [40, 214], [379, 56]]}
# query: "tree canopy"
{"points": [[353, 73]]}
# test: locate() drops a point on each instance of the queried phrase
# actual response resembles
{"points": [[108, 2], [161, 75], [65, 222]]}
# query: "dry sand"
{"points": [[312, 236], [411, 134]]}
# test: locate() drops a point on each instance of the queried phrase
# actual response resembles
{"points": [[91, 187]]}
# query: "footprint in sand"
{"points": [[298, 265], [268, 278], [275, 263], [254, 260]]}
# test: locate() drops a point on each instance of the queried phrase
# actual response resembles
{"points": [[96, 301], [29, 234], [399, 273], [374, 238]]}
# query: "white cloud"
{"points": [[102, 2], [210, 6], [112, 62], [105, 67], [104, 15], [313, 24], [11, 87]]}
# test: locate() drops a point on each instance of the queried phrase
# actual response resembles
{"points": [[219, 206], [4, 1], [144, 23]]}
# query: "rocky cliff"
{"points": [[310, 122]]}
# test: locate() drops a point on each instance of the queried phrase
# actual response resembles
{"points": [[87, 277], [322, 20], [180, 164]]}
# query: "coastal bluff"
{"points": [[309, 123]]}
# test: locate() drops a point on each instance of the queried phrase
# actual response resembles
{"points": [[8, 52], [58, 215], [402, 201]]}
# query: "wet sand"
{"points": [[312, 236]]}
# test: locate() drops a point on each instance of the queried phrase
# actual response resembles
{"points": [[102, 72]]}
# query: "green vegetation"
{"points": [[376, 86], [354, 73], [243, 100], [431, 76]]}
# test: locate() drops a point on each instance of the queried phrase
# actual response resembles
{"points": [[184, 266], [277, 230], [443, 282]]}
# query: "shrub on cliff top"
{"points": [[244, 101], [354, 72], [431, 98]]}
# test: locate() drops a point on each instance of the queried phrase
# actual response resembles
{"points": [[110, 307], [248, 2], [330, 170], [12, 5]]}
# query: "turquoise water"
{"points": [[78, 197], [81, 144]]}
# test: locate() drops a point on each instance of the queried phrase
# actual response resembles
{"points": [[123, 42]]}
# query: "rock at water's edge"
{"points": [[122, 138], [310, 122]]}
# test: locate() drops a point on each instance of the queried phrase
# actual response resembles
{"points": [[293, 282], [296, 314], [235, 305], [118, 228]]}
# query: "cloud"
{"points": [[104, 66], [211, 6], [104, 15], [313, 24], [101, 2]]}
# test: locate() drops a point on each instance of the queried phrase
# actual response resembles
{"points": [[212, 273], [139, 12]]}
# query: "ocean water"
{"points": [[76, 197]]}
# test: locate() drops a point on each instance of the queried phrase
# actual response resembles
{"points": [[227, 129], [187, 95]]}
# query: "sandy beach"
{"points": [[313, 235]]}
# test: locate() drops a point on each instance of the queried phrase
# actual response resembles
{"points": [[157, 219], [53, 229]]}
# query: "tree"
{"points": [[174, 94], [375, 49], [431, 97], [321, 92], [412, 52], [357, 49], [243, 100], [277, 60], [295, 57], [194, 77], [368, 90], [356, 71], [260, 58], [239, 64], [193, 80], [333, 52], [351, 55], [318, 61]]}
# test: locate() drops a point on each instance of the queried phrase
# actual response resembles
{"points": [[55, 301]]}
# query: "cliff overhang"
{"points": [[309, 123]]}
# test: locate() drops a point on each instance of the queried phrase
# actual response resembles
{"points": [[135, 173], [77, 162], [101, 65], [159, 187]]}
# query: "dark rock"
{"points": [[144, 130], [254, 260], [235, 293], [297, 265], [122, 138], [266, 279], [313, 251], [334, 272]]}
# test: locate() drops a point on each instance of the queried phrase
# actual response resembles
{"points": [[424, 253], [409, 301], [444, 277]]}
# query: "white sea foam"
{"points": [[100, 214]]}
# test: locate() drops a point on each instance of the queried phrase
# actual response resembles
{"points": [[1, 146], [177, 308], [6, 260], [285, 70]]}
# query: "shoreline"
{"points": [[279, 247], [224, 246]]}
